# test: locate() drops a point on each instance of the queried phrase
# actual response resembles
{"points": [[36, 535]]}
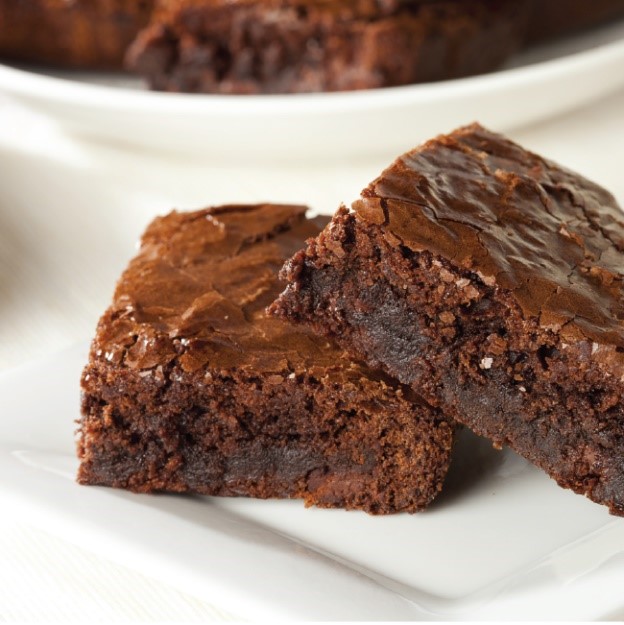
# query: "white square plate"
{"points": [[502, 542]]}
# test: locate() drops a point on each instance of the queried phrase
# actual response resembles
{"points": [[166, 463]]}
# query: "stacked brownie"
{"points": [[490, 280]]}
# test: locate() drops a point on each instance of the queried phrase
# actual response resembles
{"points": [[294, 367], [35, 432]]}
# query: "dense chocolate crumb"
{"points": [[192, 387]]}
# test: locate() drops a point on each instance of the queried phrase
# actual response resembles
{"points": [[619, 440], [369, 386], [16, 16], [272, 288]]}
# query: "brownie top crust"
{"points": [[523, 223], [218, 268]]}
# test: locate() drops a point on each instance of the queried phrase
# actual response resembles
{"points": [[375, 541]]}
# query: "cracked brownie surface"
{"points": [[490, 279], [192, 387]]}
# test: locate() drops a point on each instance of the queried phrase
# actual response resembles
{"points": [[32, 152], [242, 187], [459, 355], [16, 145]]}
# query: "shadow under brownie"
{"points": [[490, 280], [192, 387]]}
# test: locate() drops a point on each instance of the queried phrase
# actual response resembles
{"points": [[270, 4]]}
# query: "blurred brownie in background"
{"points": [[71, 33], [284, 46]]}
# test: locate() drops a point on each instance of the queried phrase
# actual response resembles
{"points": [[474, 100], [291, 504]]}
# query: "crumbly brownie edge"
{"points": [[467, 347], [240, 434]]}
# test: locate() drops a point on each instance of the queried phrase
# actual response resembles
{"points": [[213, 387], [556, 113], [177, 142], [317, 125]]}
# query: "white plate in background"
{"points": [[503, 542], [326, 127]]}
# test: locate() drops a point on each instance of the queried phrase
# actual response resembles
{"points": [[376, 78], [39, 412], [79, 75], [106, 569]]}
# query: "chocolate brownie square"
{"points": [[489, 279], [192, 387]]}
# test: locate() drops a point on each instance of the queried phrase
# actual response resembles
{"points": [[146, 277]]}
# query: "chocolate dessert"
{"points": [[285, 46], [488, 279], [192, 387]]}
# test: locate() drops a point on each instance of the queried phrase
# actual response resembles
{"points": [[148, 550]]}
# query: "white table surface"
{"points": [[58, 265]]}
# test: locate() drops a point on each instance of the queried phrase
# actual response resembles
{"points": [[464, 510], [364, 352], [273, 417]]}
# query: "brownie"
{"points": [[279, 46], [192, 387], [489, 279], [76, 33], [555, 18]]}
